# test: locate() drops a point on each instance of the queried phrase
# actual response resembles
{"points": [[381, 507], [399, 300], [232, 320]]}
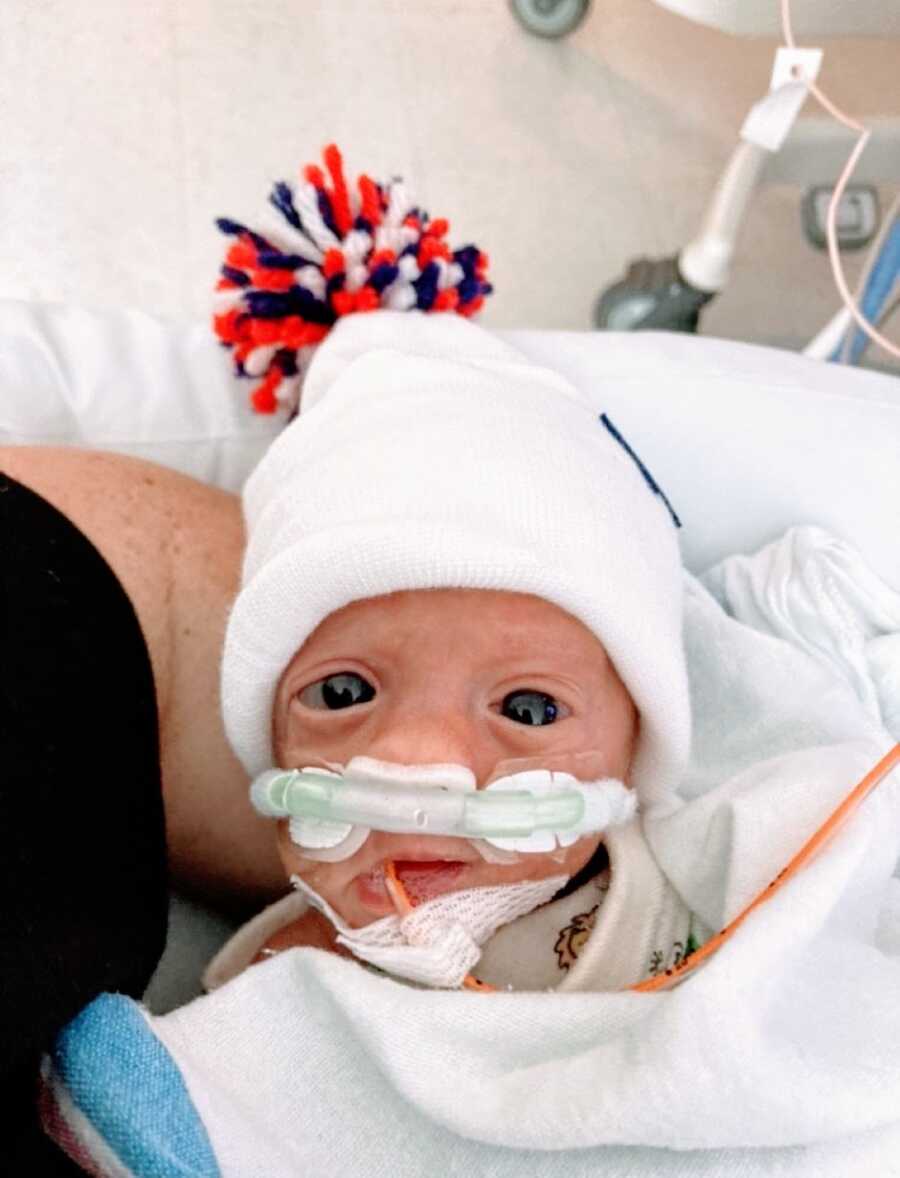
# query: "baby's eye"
{"points": [[530, 707], [337, 691]]}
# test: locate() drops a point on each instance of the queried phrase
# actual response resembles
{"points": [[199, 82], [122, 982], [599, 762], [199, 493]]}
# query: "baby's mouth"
{"points": [[421, 880], [424, 880]]}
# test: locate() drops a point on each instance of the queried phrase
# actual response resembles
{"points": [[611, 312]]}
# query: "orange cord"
{"points": [[810, 848], [401, 901], [396, 890]]}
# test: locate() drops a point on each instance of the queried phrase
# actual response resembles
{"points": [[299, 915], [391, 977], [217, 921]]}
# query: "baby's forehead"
{"points": [[465, 608], [502, 625]]}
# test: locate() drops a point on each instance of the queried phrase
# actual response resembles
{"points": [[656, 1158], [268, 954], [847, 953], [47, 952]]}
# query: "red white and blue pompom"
{"points": [[332, 253]]}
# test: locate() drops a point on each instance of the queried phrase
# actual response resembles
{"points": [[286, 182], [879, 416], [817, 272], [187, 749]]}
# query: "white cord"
{"points": [[831, 220], [823, 343], [868, 266]]}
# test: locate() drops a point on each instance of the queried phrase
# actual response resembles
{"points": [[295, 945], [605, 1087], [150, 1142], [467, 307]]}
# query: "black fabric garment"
{"points": [[83, 887]]}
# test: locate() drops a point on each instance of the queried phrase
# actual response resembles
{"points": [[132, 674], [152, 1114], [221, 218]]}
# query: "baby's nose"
{"points": [[425, 741]]}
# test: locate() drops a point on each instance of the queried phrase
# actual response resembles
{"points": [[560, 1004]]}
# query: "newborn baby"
{"points": [[454, 567], [447, 676]]}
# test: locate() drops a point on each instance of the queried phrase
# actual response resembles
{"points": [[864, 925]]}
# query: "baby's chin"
{"points": [[358, 889]]}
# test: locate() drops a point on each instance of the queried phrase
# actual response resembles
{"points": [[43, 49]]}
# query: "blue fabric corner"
{"points": [[125, 1083]]}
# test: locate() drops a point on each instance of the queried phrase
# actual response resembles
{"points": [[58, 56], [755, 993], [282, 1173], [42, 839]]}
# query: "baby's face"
{"points": [[463, 676]]}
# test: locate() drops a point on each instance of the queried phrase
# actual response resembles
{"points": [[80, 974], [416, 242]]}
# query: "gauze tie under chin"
{"points": [[439, 942]]}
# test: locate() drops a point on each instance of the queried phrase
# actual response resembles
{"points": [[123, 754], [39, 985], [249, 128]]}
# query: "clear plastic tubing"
{"points": [[413, 809]]}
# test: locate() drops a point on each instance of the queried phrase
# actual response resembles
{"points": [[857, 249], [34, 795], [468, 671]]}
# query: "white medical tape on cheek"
{"points": [[320, 839], [439, 942], [355, 838], [608, 802]]}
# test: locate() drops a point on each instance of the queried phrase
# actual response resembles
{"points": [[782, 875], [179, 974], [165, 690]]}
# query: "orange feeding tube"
{"points": [[808, 851]]}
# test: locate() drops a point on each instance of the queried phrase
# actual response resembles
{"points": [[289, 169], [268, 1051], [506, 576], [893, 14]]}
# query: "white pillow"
{"points": [[745, 441], [124, 381]]}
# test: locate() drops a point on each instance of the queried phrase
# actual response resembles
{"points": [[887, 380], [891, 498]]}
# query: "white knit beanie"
{"points": [[429, 454]]}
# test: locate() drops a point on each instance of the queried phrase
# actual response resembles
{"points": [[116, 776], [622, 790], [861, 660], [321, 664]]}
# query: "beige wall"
{"points": [[129, 124], [716, 76]]}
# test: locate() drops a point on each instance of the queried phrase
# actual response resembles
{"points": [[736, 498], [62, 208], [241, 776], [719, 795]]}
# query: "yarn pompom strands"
{"points": [[328, 250]]}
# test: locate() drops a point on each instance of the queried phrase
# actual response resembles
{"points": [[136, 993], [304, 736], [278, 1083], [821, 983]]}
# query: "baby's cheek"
{"points": [[579, 853], [291, 859], [324, 878]]}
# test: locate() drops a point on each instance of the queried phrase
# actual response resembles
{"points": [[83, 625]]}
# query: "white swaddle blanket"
{"points": [[779, 1056]]}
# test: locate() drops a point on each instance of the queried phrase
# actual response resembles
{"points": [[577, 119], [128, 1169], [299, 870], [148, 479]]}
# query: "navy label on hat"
{"points": [[648, 477]]}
